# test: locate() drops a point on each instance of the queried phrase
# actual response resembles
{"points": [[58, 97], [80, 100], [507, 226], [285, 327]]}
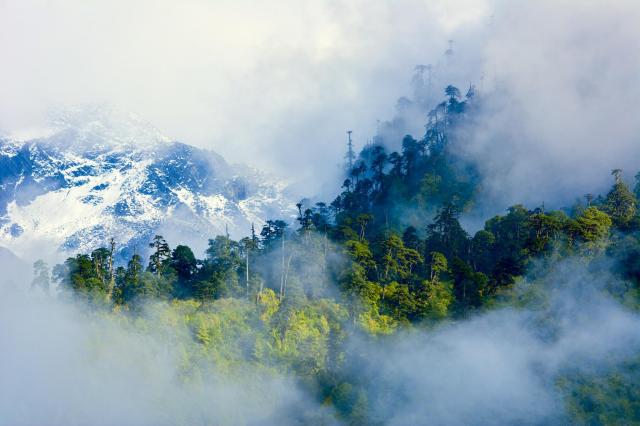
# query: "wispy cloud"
{"points": [[272, 84]]}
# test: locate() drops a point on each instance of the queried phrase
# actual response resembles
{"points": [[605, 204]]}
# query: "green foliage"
{"points": [[435, 299], [397, 261], [591, 229], [620, 202], [445, 234], [159, 259], [272, 231], [219, 273], [608, 398], [469, 287], [183, 262], [388, 253], [85, 276], [301, 338]]}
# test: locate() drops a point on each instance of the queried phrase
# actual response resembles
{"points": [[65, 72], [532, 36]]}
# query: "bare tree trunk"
{"points": [[324, 259], [326, 243], [112, 277], [282, 274], [158, 261], [286, 275], [247, 271], [259, 293], [97, 268]]}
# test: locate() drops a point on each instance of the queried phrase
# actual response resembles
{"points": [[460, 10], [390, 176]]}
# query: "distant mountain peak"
{"points": [[91, 126], [100, 173]]}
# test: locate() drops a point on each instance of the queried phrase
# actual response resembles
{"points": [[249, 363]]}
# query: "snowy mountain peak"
{"points": [[90, 127], [99, 125], [98, 173]]}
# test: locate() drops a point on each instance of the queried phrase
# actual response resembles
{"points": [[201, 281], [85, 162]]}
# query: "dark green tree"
{"points": [[445, 235], [468, 286], [160, 255], [185, 265], [620, 202]]}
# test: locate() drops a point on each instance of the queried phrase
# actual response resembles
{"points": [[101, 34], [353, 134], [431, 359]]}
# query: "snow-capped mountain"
{"points": [[96, 173]]}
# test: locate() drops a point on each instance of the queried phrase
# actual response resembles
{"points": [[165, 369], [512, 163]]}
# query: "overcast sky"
{"points": [[276, 84]]}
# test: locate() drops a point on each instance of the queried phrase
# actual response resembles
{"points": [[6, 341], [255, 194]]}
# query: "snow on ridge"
{"points": [[19, 136], [100, 123], [99, 176]]}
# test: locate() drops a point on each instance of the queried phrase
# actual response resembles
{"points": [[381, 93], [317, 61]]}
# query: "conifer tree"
{"points": [[41, 278], [160, 255], [620, 202]]}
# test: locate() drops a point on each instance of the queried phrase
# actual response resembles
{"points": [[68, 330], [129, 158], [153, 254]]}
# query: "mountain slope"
{"points": [[97, 174]]}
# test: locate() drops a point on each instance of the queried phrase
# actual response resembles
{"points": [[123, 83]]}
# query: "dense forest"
{"points": [[387, 255]]}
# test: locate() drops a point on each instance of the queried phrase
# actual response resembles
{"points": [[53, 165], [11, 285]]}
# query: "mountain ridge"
{"points": [[116, 176]]}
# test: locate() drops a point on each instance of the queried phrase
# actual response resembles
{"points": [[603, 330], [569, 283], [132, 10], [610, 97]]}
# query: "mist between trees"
{"points": [[378, 308]]}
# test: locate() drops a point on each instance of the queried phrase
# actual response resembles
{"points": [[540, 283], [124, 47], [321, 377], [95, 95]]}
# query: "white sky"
{"points": [[274, 84]]}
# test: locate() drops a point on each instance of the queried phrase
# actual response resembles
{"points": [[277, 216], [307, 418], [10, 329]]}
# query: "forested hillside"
{"points": [[387, 256]]}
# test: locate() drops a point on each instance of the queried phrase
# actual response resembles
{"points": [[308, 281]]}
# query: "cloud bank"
{"points": [[562, 82], [62, 364], [271, 84], [277, 85], [502, 367]]}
